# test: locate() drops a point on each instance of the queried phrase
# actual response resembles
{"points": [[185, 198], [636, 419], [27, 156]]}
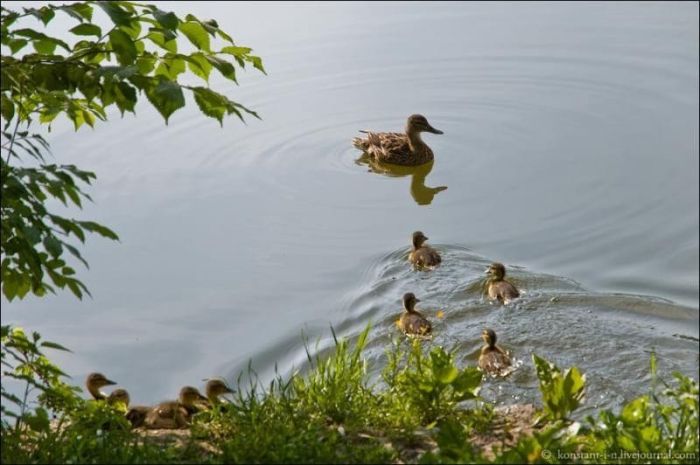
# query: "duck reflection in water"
{"points": [[422, 194]]}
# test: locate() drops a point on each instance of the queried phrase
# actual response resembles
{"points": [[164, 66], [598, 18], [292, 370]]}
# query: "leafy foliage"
{"points": [[138, 54], [45, 76], [429, 386], [562, 393], [331, 414], [23, 360]]}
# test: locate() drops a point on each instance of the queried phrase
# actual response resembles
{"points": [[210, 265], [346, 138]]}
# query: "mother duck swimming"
{"points": [[407, 149]]}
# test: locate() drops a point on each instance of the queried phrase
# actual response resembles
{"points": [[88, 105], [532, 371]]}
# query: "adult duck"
{"points": [[407, 149]]}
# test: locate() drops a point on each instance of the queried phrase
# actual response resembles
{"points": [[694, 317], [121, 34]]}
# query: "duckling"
{"points": [[493, 359], [135, 414], [498, 288], [119, 396], [94, 382], [423, 255], [412, 322], [216, 388], [399, 149], [175, 414]]}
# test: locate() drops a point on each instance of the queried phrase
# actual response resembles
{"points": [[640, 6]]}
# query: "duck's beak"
{"points": [[109, 382], [417, 299], [429, 128], [201, 397], [487, 271]]}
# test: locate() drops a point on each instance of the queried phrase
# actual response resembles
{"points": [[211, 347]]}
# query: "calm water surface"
{"points": [[570, 153]]}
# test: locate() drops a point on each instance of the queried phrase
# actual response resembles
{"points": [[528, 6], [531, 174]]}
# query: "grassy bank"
{"points": [[425, 409]]}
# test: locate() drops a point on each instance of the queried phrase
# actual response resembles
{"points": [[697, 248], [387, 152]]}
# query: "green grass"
{"points": [[425, 409]]}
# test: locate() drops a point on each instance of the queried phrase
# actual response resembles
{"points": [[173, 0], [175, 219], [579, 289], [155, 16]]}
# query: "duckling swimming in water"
{"points": [[493, 359], [94, 382], [423, 255], [412, 322], [498, 288], [406, 149], [175, 414]]}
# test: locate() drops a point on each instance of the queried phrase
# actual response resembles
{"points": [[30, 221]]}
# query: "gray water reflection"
{"points": [[570, 150]]}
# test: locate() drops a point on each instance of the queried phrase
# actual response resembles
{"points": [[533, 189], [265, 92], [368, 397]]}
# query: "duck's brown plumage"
{"points": [[423, 255], [493, 359], [174, 414], [411, 321], [396, 148], [498, 288], [94, 382]]}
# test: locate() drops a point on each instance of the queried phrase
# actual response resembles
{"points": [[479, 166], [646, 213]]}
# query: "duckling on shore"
{"points": [[493, 359], [397, 148], [175, 414], [411, 321], [423, 255], [216, 388], [498, 288], [94, 382]]}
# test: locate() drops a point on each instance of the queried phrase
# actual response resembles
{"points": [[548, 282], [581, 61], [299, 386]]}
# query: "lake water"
{"points": [[570, 153]]}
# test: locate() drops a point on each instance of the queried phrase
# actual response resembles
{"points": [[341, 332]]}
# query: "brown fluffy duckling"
{"points": [[423, 255], [94, 382], [412, 322], [498, 288], [175, 414], [406, 149], [216, 388], [119, 396], [135, 414], [493, 359]]}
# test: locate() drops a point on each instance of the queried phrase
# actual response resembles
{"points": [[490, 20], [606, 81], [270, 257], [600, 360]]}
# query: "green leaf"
{"points": [[78, 11], [99, 229], [38, 36], [7, 107], [118, 15], [257, 63], [160, 39], [167, 20], [167, 97], [211, 103], [123, 46], [16, 45], [196, 34], [236, 51], [87, 30], [199, 65], [224, 67], [171, 67], [53, 246], [44, 14], [53, 345]]}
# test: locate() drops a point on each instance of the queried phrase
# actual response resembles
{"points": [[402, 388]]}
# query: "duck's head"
{"points": [[409, 301], [190, 395], [217, 387], [95, 381], [418, 239], [489, 337], [496, 271], [418, 123], [119, 396]]}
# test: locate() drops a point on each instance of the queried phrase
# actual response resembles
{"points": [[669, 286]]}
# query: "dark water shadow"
{"points": [[422, 194]]}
